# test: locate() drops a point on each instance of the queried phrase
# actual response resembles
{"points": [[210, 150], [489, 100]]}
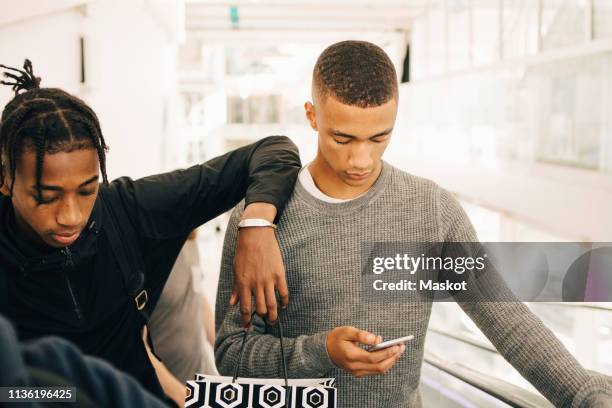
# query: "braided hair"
{"points": [[44, 120]]}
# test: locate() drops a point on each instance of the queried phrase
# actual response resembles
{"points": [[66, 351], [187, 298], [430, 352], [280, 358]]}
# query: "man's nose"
{"points": [[69, 214], [361, 157]]}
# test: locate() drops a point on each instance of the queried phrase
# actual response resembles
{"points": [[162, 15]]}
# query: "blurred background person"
{"points": [[182, 324]]}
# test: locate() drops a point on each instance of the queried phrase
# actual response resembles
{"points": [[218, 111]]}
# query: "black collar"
{"points": [[24, 257]]}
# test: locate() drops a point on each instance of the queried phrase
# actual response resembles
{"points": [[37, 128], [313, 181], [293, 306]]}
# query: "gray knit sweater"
{"points": [[321, 243]]}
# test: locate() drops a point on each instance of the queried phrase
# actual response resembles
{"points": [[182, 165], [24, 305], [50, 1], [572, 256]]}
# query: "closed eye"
{"points": [[379, 139], [43, 201], [342, 140]]}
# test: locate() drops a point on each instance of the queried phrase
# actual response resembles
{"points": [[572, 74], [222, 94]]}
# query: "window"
{"points": [[253, 109]]}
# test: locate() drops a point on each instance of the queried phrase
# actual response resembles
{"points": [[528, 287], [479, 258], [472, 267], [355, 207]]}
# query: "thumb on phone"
{"points": [[363, 337]]}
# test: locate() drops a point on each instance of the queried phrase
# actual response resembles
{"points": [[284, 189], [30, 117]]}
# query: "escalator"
{"points": [[452, 385], [490, 381]]}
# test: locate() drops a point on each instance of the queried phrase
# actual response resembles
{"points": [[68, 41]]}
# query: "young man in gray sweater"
{"points": [[348, 196]]}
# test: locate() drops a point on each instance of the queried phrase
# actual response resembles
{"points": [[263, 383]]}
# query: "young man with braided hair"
{"points": [[347, 197], [87, 261]]}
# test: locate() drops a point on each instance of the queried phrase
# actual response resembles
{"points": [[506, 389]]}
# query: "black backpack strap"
{"points": [[124, 244], [123, 241]]}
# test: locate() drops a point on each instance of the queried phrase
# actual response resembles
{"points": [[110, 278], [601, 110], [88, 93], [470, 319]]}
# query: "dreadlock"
{"points": [[44, 120]]}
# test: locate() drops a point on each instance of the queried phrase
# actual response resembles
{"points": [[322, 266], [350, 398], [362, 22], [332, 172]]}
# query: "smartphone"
{"points": [[390, 343]]}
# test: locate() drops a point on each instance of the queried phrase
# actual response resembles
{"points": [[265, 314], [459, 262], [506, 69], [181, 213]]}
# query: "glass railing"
{"points": [[584, 329], [453, 340], [445, 384]]}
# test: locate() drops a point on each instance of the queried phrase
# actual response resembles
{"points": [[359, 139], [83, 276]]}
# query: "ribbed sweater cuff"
{"points": [[595, 393], [315, 353]]}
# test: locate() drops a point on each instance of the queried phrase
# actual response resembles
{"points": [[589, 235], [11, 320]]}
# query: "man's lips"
{"points": [[66, 238], [358, 176]]}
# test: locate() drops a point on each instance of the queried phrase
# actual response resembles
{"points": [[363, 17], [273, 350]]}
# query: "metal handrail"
{"points": [[586, 305], [464, 339], [506, 392]]}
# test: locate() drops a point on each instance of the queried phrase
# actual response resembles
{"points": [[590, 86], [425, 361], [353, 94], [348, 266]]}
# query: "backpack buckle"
{"points": [[141, 299]]}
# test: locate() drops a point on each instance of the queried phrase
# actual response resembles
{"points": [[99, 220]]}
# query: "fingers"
{"points": [[265, 302], [260, 301], [245, 305], [376, 357], [343, 347], [358, 355], [362, 336], [234, 298], [258, 269], [271, 304], [283, 290], [360, 369]]}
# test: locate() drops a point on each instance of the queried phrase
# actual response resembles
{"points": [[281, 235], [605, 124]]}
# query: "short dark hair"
{"points": [[356, 73], [45, 120]]}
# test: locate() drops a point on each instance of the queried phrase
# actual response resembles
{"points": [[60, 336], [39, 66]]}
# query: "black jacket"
{"points": [[78, 292], [51, 361]]}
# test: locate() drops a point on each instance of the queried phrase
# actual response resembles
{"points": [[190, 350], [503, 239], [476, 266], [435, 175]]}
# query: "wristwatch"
{"points": [[255, 222]]}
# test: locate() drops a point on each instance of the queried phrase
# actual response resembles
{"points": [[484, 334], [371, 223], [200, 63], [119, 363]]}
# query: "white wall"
{"points": [[26, 9], [131, 84], [130, 70], [51, 41]]}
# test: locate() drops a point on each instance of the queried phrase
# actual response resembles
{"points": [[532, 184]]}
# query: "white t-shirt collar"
{"points": [[305, 178]]}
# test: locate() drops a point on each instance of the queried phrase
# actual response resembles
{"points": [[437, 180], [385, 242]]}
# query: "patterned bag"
{"points": [[233, 392]]}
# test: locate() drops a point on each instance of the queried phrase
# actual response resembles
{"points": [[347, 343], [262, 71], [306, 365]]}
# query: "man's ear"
{"points": [[310, 115], [5, 182], [4, 190]]}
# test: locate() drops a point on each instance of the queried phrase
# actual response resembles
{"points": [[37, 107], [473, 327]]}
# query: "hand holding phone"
{"points": [[345, 347]]}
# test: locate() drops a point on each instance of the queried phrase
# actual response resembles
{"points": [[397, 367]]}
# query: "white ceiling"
{"points": [[280, 18], [13, 11]]}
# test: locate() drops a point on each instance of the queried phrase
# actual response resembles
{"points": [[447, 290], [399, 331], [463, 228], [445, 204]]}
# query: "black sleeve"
{"points": [[51, 361], [171, 205], [51, 357]]}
